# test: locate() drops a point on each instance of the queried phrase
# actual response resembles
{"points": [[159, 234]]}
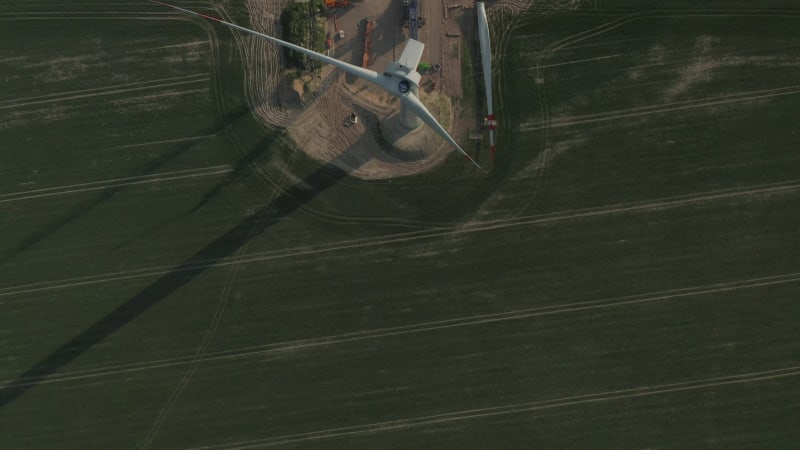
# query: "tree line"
{"points": [[300, 28]]}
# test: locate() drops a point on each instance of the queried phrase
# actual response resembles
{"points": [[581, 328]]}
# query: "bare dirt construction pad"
{"points": [[318, 123]]}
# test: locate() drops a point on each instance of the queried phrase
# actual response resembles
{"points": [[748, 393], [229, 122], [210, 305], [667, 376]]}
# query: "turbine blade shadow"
{"points": [[147, 168], [225, 245]]}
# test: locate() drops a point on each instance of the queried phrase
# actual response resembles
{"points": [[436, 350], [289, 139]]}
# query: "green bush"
{"points": [[295, 20]]}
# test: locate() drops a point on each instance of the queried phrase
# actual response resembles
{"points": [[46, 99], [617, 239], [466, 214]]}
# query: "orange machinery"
{"points": [[337, 3], [370, 26]]}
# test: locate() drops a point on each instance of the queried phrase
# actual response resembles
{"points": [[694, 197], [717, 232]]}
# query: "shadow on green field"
{"points": [[291, 200], [146, 169], [242, 168]]}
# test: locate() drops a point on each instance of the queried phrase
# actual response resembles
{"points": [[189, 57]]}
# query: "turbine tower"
{"points": [[400, 78]]}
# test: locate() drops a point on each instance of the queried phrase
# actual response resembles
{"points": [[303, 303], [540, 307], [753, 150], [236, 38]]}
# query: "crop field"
{"points": [[173, 274]]}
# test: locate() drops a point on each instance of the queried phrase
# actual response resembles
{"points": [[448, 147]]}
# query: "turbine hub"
{"points": [[404, 86]]}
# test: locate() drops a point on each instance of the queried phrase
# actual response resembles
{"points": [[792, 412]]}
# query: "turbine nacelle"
{"points": [[402, 80], [405, 68], [398, 83], [402, 74]]}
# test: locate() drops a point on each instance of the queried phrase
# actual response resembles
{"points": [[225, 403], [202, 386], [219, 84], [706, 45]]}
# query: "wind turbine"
{"points": [[400, 78]]}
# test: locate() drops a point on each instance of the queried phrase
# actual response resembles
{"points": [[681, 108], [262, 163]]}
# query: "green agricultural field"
{"points": [[174, 274]]}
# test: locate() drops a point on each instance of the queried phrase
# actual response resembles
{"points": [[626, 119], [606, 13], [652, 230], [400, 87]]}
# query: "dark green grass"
{"points": [[613, 301], [571, 261], [661, 421], [537, 359], [501, 364], [672, 152]]}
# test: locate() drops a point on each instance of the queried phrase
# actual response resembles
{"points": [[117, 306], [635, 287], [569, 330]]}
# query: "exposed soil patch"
{"points": [[315, 110]]}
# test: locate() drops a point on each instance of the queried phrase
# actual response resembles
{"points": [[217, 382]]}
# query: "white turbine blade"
{"points": [[360, 72], [486, 54], [420, 110], [412, 54]]}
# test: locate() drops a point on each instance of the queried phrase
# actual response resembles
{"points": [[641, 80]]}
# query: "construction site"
{"points": [[176, 274], [333, 116]]}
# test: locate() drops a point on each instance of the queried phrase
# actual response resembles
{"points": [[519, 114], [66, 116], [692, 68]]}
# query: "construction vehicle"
{"points": [[336, 31], [337, 3], [351, 120], [413, 20], [370, 25]]}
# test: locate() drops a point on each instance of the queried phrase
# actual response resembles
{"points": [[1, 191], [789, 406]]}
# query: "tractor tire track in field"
{"points": [[504, 19], [538, 168], [201, 351], [213, 326], [789, 187], [152, 16], [239, 43], [115, 183], [112, 90], [422, 327], [665, 108], [58, 96], [220, 248], [542, 162], [745, 95], [262, 60], [517, 408], [164, 141]]}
